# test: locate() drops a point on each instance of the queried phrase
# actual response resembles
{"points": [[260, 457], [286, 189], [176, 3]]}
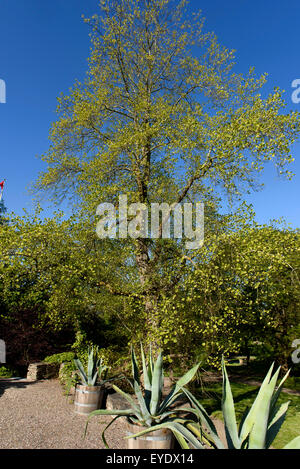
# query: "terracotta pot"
{"points": [[159, 439], [88, 399]]}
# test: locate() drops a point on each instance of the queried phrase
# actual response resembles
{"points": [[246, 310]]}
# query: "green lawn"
{"points": [[244, 395]]}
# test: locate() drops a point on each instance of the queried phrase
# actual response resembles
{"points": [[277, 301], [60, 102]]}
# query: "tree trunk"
{"points": [[150, 296]]}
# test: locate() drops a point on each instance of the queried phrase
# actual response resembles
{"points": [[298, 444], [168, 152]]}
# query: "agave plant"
{"points": [[95, 368], [259, 425], [150, 410]]}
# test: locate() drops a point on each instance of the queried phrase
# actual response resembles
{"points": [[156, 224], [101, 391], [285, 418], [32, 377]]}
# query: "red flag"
{"points": [[2, 185]]}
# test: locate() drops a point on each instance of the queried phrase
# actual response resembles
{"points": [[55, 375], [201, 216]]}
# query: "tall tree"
{"points": [[161, 117]]}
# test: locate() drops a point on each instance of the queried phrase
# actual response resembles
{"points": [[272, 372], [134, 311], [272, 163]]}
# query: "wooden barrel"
{"points": [[87, 399], [159, 439]]}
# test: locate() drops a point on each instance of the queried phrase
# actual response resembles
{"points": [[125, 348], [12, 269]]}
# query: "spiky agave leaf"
{"points": [[176, 392], [135, 369], [276, 423], [137, 389], [150, 364], [258, 434], [177, 429], [204, 418], [94, 378], [142, 403], [228, 410], [273, 407], [90, 366], [81, 371], [250, 418], [186, 378], [294, 444], [134, 407], [157, 385], [115, 412], [102, 369], [147, 383]]}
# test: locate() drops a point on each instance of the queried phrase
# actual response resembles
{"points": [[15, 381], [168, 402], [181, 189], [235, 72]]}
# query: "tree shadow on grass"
{"points": [[213, 399], [246, 395]]}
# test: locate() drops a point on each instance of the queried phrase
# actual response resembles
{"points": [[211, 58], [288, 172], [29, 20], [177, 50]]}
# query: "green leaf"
{"points": [[90, 364], [276, 395], [276, 424], [229, 413], [258, 434], [81, 371], [182, 442], [134, 407], [253, 411], [174, 393], [135, 369], [150, 364], [116, 412], [175, 427], [144, 409], [187, 377], [157, 383], [294, 444], [147, 383], [94, 378], [204, 418]]}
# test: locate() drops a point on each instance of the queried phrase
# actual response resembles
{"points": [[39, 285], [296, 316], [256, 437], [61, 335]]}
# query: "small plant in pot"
{"points": [[148, 410], [89, 393]]}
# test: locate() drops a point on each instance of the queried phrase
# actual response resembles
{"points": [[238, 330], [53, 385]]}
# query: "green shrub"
{"points": [[60, 357], [67, 374], [7, 372]]}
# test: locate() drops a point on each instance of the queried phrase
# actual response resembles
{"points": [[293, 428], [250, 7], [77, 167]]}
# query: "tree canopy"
{"points": [[161, 117], [50, 289]]}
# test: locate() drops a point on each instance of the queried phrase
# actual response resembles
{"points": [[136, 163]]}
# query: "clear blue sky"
{"points": [[44, 45]]}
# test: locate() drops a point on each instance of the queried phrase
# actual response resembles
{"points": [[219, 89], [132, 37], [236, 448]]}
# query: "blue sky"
{"points": [[44, 46]]}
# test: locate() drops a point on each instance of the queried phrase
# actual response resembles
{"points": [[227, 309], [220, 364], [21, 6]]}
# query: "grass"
{"points": [[210, 397], [293, 383]]}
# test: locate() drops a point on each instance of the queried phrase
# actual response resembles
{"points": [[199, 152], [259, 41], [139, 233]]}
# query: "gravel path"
{"points": [[36, 415]]}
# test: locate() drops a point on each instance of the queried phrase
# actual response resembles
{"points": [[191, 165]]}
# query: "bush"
{"points": [[67, 376], [60, 358], [7, 372]]}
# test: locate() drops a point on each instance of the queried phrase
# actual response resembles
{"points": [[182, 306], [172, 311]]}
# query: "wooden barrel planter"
{"points": [[88, 398], [159, 439]]}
